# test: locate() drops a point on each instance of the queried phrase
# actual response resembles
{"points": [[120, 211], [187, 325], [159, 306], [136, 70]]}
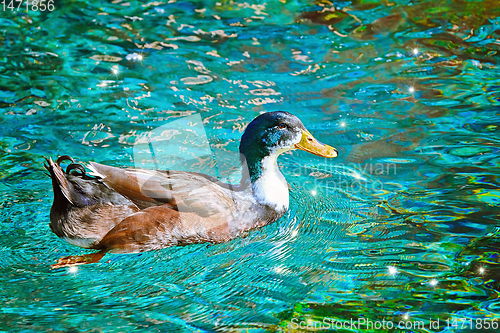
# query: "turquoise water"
{"points": [[403, 223]]}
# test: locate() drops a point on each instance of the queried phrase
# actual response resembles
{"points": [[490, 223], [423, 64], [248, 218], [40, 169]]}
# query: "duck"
{"points": [[115, 210]]}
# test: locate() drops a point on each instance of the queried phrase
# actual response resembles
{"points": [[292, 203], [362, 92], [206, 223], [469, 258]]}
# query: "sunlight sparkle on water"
{"points": [[357, 175], [342, 124], [415, 51], [481, 270], [279, 269], [134, 57], [313, 192], [411, 89], [433, 282], [392, 270], [73, 269]]}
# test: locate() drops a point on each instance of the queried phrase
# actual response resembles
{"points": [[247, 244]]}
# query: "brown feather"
{"points": [[183, 191], [57, 174], [117, 179], [159, 227]]}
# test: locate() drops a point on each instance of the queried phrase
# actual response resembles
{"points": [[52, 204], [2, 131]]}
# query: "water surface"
{"points": [[408, 91]]}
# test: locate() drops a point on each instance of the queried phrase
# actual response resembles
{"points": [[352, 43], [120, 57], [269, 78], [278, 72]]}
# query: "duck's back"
{"points": [[180, 190]]}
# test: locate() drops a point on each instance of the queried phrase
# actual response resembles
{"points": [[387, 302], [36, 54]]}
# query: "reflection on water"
{"points": [[401, 226]]}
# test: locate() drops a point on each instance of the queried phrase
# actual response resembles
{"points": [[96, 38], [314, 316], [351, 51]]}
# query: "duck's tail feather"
{"points": [[64, 182], [60, 183]]}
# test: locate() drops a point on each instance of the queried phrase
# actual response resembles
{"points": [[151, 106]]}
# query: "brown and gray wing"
{"points": [[182, 191]]}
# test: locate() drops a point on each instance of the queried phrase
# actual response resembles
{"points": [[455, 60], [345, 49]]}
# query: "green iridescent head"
{"points": [[273, 133]]}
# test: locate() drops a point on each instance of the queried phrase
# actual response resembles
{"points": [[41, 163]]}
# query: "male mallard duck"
{"points": [[133, 210]]}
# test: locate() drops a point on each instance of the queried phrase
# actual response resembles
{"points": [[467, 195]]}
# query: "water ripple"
{"points": [[403, 222]]}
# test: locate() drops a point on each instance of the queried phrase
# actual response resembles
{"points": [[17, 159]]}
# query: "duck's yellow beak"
{"points": [[310, 144]]}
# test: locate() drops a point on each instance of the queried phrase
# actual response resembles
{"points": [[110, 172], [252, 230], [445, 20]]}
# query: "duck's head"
{"points": [[273, 133]]}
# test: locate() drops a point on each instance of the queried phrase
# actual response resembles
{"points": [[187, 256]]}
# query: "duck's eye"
{"points": [[281, 126]]}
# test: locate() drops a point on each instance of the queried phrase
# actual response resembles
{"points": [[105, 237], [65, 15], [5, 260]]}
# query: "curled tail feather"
{"points": [[59, 181], [64, 182]]}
